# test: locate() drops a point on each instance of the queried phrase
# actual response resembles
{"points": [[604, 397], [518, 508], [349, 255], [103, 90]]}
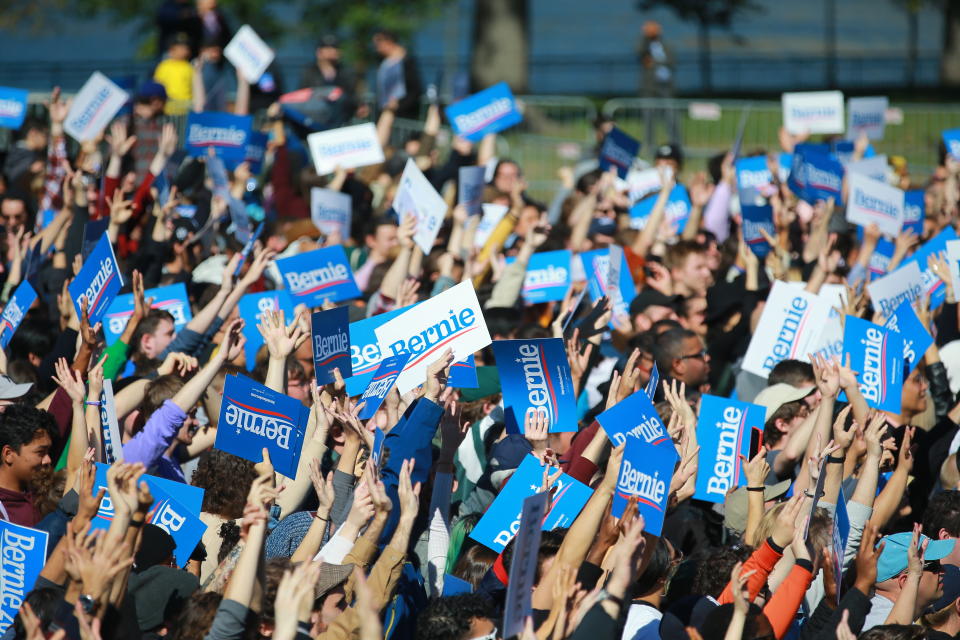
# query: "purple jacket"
{"points": [[156, 436]]}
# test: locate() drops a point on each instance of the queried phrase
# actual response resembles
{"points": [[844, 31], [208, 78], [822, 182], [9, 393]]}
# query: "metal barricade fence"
{"points": [[706, 128], [557, 131]]}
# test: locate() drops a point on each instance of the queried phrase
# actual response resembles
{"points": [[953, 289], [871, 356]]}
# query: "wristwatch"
{"points": [[88, 603], [606, 595]]}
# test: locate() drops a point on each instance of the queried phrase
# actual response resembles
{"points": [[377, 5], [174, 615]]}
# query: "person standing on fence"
{"points": [[329, 71], [398, 80], [658, 66]]}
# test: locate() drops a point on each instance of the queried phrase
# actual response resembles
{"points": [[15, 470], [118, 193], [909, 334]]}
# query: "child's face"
{"points": [[179, 52]]}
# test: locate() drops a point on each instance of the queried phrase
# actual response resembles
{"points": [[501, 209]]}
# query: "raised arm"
{"points": [[584, 529]]}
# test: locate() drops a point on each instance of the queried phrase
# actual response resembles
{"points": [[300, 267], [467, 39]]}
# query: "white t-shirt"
{"points": [[880, 608], [643, 622]]}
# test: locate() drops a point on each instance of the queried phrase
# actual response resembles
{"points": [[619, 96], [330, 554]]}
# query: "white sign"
{"points": [[248, 53], [906, 283], [94, 107], [813, 112], [492, 215], [953, 261], [866, 115], [417, 197], [872, 201], [452, 319], [346, 147], [874, 167], [789, 328], [642, 183], [331, 211]]}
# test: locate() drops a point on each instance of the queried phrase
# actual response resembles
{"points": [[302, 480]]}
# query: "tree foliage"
{"points": [[717, 13], [353, 20]]}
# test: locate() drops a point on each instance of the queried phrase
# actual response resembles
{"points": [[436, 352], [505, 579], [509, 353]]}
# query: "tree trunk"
{"points": [[950, 58], [912, 36], [501, 49], [703, 39]]}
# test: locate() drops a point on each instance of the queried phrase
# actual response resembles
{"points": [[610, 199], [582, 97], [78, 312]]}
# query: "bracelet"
{"points": [[92, 403], [837, 459], [755, 488], [136, 524], [812, 496], [316, 516]]}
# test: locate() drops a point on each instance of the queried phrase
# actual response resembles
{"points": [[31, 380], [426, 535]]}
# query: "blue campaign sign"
{"points": [[252, 306], [247, 248], [13, 107], [365, 352], [596, 266], [634, 417], [256, 150], [376, 452], [815, 174], [331, 344], [754, 181], [463, 374], [676, 214], [824, 177], [470, 189], [916, 338], [380, 384], [171, 298], [654, 380], [99, 281], [176, 509], [548, 276], [502, 519], [757, 219], [24, 552], [951, 140], [877, 354], [914, 210], [489, 111], [723, 433], [932, 285], [93, 231], [454, 586], [645, 473], [14, 312], [253, 416], [317, 276], [225, 133], [535, 378], [618, 150], [841, 533]]}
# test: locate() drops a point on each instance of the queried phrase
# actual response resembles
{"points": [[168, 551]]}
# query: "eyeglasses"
{"points": [[700, 355], [933, 566]]}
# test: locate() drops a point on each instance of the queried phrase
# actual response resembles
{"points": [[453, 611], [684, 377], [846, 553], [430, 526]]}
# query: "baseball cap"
{"points": [[10, 390], [893, 559], [951, 588], [735, 504], [328, 40], [150, 90], [650, 297], [777, 395], [669, 152]]}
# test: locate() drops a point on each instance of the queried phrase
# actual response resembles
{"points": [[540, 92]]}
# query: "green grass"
{"points": [[555, 137]]}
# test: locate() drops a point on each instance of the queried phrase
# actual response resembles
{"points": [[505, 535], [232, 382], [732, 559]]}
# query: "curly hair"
{"points": [[273, 571], [226, 480], [21, 424], [447, 618]]}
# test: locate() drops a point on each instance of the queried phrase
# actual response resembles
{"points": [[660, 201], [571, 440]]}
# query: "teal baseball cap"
{"points": [[893, 559]]}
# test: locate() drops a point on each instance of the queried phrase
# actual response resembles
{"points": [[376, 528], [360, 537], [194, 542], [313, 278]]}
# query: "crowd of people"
{"points": [[350, 547]]}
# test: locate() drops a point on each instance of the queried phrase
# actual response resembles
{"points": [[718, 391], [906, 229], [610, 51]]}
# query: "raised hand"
{"points": [[437, 375], [409, 494], [69, 380], [535, 427]]}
